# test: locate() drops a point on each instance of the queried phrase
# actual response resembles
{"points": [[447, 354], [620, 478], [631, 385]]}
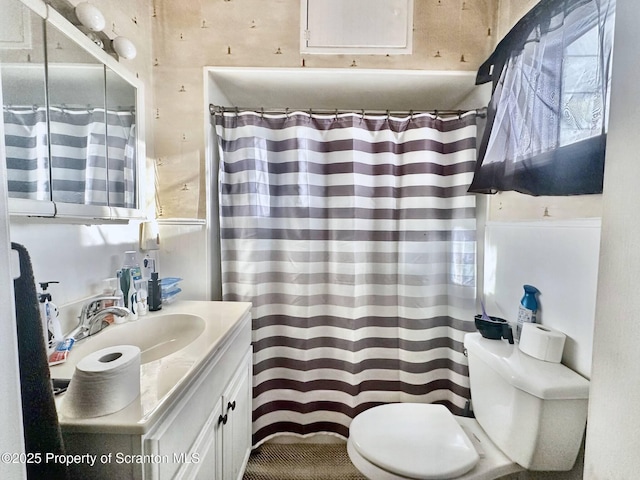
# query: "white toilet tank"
{"points": [[534, 411]]}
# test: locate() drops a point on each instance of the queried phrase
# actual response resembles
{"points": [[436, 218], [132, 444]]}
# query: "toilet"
{"points": [[529, 415]]}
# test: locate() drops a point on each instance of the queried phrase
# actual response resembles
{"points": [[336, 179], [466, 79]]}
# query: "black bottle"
{"points": [[155, 294]]}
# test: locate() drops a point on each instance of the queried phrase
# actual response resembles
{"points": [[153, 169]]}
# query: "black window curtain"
{"points": [[547, 117]]}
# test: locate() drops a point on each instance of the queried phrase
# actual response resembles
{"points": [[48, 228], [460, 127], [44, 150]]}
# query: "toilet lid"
{"points": [[415, 440]]}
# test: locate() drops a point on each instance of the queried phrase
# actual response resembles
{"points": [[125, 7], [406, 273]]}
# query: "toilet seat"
{"points": [[414, 440], [423, 441]]}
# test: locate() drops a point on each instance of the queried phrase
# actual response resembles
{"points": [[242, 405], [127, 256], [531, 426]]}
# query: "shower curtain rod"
{"points": [[213, 109]]}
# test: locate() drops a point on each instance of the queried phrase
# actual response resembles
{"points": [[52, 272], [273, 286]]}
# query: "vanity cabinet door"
{"points": [[205, 460], [209, 457], [236, 435]]}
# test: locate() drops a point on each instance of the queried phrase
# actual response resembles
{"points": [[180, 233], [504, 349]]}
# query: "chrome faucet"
{"points": [[92, 317]]}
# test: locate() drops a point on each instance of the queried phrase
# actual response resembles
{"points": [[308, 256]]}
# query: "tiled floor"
{"points": [[273, 461]]}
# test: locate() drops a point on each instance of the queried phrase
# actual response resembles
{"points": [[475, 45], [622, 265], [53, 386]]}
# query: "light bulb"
{"points": [[90, 17], [124, 47]]}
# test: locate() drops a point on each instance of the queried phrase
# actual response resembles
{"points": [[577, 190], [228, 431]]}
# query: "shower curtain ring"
{"points": [[286, 112], [336, 114], [262, 112]]}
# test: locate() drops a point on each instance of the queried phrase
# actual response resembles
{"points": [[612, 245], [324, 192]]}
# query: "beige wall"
{"points": [[188, 36]]}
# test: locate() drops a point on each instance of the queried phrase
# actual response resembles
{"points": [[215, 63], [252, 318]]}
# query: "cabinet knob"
{"points": [[222, 419], [231, 405]]}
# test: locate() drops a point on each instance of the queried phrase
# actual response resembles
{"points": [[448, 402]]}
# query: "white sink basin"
{"points": [[167, 334], [157, 336]]}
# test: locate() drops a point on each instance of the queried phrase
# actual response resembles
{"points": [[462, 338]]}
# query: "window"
{"points": [[547, 118]]}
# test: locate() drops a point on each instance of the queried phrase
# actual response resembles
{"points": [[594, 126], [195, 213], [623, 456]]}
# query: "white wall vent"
{"points": [[356, 26]]}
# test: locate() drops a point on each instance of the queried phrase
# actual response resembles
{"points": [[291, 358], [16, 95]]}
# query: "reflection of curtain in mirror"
{"points": [[121, 143], [79, 171], [78, 156], [27, 152]]}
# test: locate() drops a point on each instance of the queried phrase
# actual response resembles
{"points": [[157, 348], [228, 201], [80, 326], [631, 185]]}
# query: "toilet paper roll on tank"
{"points": [[542, 342]]}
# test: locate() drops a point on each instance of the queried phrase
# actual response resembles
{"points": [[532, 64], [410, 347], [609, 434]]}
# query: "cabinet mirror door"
{"points": [[22, 76], [121, 141], [77, 126]]}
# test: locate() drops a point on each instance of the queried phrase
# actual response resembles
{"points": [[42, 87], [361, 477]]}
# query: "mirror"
{"points": [[22, 71], [77, 128], [72, 139], [121, 141]]}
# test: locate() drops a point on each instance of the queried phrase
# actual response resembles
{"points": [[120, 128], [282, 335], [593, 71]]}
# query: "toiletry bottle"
{"points": [[108, 290], [528, 309], [141, 287], [48, 314], [120, 301], [154, 293], [118, 293], [148, 267], [142, 304], [132, 297], [129, 267]]}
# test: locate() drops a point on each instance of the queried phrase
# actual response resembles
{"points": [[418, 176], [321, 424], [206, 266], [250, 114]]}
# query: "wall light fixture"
{"points": [[90, 16], [124, 47]]}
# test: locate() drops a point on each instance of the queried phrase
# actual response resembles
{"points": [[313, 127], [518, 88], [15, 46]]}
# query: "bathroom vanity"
{"points": [[192, 419]]}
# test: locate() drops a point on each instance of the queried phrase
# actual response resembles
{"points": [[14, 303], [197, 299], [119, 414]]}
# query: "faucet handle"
{"points": [[94, 305], [100, 300]]}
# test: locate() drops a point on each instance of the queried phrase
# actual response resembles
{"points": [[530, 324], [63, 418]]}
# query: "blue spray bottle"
{"points": [[528, 309]]}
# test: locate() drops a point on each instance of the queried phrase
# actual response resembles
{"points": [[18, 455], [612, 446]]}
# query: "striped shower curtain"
{"points": [[354, 238], [77, 172]]}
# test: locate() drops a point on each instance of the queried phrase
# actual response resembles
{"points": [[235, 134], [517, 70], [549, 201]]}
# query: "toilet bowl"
{"points": [[529, 415], [403, 441]]}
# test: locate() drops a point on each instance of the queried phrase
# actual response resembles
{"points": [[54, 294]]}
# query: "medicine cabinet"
{"points": [[72, 118]]}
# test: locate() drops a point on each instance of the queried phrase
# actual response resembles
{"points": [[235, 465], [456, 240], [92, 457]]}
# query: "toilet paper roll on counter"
{"points": [[542, 342], [103, 382]]}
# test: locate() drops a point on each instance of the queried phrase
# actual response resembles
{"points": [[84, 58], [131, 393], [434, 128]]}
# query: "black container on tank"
{"points": [[494, 328]]}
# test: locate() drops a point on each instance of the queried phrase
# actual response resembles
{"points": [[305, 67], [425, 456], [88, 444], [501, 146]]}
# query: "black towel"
{"points": [[40, 420]]}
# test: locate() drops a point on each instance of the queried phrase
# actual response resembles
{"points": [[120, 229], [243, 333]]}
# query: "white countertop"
{"points": [[161, 380]]}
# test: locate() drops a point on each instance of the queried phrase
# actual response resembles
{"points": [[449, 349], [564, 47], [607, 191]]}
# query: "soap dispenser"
{"points": [[528, 308], [49, 317]]}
